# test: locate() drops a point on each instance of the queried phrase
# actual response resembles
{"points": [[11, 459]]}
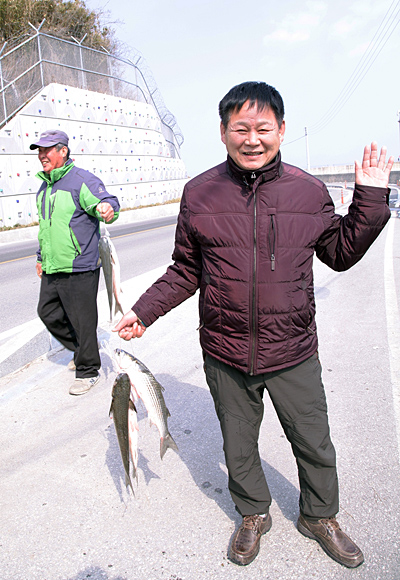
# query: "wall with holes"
{"points": [[119, 140]]}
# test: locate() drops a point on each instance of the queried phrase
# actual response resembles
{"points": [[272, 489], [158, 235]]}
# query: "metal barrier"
{"points": [[43, 59]]}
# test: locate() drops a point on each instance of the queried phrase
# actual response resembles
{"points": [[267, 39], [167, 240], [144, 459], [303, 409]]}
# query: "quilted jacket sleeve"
{"points": [[347, 238], [181, 279]]}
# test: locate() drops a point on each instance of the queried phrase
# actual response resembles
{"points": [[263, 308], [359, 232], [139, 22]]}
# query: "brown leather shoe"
{"points": [[245, 544], [335, 542]]}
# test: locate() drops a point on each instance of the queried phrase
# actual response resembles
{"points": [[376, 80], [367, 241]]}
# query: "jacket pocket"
{"points": [[75, 242], [203, 299], [308, 314]]}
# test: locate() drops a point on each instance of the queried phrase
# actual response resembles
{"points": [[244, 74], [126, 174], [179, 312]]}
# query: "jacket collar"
{"points": [[269, 172], [57, 173]]}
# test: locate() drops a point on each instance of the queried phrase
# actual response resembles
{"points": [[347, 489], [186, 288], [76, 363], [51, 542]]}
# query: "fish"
{"points": [[124, 415], [146, 387], [112, 272]]}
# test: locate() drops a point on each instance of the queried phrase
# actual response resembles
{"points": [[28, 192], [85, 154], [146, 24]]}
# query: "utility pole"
{"points": [[307, 150], [398, 115]]}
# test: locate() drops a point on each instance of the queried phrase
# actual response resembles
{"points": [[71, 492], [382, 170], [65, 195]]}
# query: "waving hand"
{"points": [[374, 171]]}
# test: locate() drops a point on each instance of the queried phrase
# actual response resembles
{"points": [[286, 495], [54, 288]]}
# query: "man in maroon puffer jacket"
{"points": [[246, 235]]}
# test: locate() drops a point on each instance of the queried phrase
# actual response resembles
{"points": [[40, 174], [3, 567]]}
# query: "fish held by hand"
{"points": [[112, 273], [149, 390], [124, 415]]}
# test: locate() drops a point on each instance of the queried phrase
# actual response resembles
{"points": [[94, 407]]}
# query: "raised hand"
{"points": [[374, 171]]}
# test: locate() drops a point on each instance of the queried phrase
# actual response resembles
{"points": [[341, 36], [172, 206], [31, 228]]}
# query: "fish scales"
{"points": [[123, 412], [112, 273], [150, 391], [105, 259]]}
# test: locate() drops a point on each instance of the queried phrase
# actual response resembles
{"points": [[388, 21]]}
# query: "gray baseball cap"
{"points": [[50, 138]]}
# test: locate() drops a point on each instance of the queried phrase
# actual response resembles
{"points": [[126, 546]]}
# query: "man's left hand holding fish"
{"points": [[106, 211], [130, 326]]}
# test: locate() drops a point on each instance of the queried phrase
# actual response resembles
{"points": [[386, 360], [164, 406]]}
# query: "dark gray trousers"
{"points": [[298, 396], [68, 308]]}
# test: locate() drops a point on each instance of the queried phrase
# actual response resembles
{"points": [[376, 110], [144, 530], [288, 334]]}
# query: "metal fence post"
{"points": [[81, 59], [37, 30], [3, 93], [110, 72]]}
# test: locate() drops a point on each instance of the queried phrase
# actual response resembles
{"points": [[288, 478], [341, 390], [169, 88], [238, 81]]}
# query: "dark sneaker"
{"points": [[333, 540], [245, 544], [82, 386]]}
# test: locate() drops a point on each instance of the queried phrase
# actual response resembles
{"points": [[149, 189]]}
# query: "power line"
{"points": [[379, 40], [381, 37], [294, 140]]}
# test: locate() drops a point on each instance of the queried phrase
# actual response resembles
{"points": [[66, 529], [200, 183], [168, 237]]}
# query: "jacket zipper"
{"points": [[253, 314], [272, 243], [51, 208], [272, 234]]}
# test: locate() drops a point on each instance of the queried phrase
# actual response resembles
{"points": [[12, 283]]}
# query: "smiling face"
{"points": [[252, 136], [50, 158]]}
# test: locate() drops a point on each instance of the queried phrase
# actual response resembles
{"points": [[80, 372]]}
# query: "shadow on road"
{"points": [[95, 573], [195, 427]]}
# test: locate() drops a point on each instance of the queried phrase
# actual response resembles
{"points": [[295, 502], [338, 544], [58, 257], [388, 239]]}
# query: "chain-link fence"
{"points": [[44, 59]]}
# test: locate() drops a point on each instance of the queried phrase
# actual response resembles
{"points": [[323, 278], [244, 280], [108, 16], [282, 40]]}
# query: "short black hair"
{"points": [[258, 93]]}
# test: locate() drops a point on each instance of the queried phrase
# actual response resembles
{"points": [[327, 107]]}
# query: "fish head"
{"points": [[121, 384], [104, 245], [124, 359]]}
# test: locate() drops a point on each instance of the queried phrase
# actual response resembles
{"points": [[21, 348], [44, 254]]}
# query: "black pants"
{"points": [[68, 308], [298, 396]]}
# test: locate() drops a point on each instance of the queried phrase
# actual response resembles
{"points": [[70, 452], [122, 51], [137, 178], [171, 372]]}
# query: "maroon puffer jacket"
{"points": [[247, 241]]}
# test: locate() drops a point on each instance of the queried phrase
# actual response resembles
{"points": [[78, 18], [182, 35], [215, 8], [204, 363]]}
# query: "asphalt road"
{"points": [[67, 516], [140, 247]]}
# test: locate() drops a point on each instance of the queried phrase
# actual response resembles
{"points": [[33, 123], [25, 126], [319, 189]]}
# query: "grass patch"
{"points": [[175, 200], [17, 226]]}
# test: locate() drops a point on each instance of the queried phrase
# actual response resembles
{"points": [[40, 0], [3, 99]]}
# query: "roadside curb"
{"points": [[125, 217]]}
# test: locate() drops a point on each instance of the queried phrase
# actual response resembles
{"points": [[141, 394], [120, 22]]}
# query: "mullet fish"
{"points": [[146, 387], [112, 273], [124, 415]]}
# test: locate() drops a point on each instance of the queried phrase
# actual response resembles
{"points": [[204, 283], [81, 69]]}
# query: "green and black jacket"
{"points": [[69, 228]]}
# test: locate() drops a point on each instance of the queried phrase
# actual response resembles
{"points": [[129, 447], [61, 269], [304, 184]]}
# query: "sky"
{"points": [[198, 50]]}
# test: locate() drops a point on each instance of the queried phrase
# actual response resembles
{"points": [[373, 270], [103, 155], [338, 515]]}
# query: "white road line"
{"points": [[392, 324], [15, 338]]}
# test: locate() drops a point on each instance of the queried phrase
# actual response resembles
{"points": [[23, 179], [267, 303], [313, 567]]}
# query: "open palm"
{"points": [[374, 171]]}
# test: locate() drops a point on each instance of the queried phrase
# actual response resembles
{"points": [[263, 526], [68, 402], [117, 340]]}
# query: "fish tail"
{"points": [[165, 443], [128, 482], [118, 308]]}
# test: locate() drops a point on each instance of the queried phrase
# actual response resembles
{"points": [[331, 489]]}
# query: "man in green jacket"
{"points": [[70, 203]]}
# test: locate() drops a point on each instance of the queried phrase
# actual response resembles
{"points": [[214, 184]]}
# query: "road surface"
{"points": [[66, 514]]}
